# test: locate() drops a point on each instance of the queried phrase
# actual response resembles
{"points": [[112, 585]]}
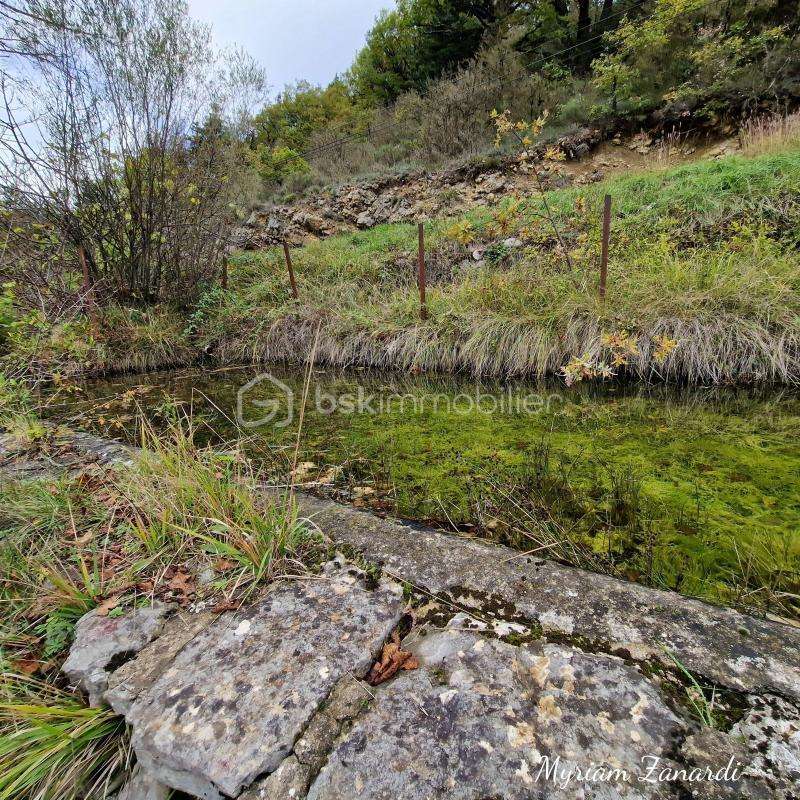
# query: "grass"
{"points": [[52, 747], [114, 539], [704, 255]]}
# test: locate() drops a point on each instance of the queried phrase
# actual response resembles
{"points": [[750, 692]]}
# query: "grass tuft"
{"points": [[53, 747]]}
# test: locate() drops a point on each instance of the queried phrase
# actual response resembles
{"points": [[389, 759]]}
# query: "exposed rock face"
{"points": [[733, 649], [235, 699], [293, 777], [766, 743], [266, 703], [130, 680], [142, 786], [102, 643], [485, 719], [402, 198]]}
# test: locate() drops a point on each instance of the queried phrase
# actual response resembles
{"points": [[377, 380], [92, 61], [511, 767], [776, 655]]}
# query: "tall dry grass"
{"points": [[727, 349], [771, 134]]}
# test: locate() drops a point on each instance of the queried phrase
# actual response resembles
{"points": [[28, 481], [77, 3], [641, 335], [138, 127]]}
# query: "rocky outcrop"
{"points": [[269, 704], [103, 643], [235, 699], [725, 646], [486, 719], [412, 196]]}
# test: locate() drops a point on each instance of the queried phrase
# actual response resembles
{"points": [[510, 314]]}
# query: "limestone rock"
{"points": [[364, 220], [141, 786], [102, 642], [713, 750], [735, 650], [482, 718], [131, 679], [292, 778], [763, 747], [236, 698], [288, 782]]}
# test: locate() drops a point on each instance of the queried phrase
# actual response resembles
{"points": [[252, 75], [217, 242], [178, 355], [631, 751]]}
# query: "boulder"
{"points": [[103, 643], [364, 220]]}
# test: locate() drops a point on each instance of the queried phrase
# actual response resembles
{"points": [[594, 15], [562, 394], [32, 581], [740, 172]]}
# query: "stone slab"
{"points": [[236, 697], [484, 719], [735, 650], [100, 641], [131, 679]]}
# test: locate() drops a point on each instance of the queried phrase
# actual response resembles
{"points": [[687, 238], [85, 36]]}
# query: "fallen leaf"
{"points": [[106, 606], [392, 660], [226, 605], [183, 582], [25, 666]]}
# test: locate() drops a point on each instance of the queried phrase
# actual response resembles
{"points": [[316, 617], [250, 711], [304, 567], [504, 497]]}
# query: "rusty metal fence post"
{"points": [[423, 306], [290, 269], [604, 249]]}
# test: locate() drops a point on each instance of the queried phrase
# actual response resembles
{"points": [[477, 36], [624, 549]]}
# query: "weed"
{"points": [[702, 706]]}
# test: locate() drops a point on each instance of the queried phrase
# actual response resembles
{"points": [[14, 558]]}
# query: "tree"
{"points": [[112, 137], [417, 42]]}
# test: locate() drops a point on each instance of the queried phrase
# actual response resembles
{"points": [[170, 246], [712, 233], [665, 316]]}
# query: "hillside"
{"points": [[703, 284]]}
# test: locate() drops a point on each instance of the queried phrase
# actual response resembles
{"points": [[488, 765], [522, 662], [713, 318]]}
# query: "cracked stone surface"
{"points": [[732, 649], [141, 786], [481, 718], [293, 777], [236, 697], [131, 679], [765, 742], [100, 641], [766, 745], [261, 704]]}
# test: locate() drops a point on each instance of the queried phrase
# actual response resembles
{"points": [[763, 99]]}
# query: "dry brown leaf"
{"points": [[183, 582], [226, 605], [107, 605], [25, 666], [392, 660], [85, 539]]}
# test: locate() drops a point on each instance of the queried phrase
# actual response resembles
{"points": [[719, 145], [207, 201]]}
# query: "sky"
{"points": [[292, 39]]}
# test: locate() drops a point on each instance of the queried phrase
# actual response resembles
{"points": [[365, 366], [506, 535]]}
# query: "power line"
{"points": [[335, 144]]}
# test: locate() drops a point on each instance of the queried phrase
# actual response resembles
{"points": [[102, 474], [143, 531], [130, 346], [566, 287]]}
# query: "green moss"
{"points": [[711, 478]]}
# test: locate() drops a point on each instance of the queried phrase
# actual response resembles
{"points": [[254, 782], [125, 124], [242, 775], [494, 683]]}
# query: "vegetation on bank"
{"points": [[703, 285], [111, 539], [420, 91]]}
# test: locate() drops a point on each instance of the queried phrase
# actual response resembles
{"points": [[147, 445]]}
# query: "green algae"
{"points": [[695, 490]]}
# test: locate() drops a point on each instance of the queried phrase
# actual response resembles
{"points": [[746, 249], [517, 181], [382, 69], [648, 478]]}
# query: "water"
{"points": [[696, 490]]}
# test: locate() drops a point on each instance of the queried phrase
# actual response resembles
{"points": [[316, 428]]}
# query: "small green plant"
{"points": [[701, 705]]}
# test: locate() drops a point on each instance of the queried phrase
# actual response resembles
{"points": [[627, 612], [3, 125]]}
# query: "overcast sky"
{"points": [[292, 39]]}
